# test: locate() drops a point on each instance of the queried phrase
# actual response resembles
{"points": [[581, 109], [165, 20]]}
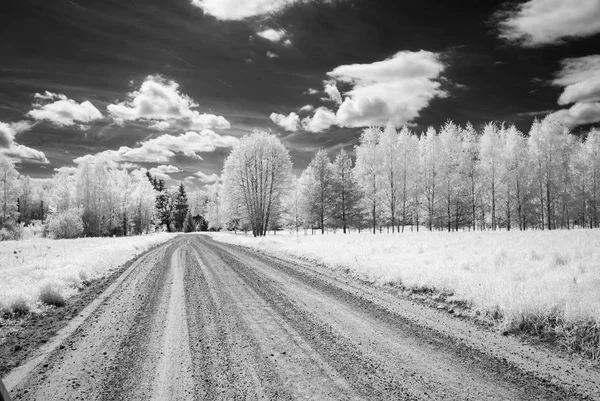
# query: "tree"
{"points": [[164, 205], [490, 150], [468, 167], [450, 150], [317, 190], [189, 225], [143, 200], [215, 208], [26, 202], [255, 174], [388, 151], [345, 190], [181, 207], [367, 171], [429, 151], [8, 191]]}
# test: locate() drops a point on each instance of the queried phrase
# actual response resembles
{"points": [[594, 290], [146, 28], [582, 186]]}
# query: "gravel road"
{"points": [[197, 319]]}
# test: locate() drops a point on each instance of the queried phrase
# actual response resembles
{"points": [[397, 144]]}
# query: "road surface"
{"points": [[197, 319]]}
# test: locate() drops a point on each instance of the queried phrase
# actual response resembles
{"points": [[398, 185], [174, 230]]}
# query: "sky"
{"points": [[171, 85]]}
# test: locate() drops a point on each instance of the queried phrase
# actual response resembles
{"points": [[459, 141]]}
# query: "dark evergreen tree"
{"points": [[164, 205], [181, 207], [189, 225]]}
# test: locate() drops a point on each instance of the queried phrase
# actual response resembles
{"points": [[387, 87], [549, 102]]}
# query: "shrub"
{"points": [[50, 295], [19, 306], [11, 232], [67, 224]]}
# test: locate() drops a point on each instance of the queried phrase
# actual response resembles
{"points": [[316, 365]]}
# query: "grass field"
{"points": [[41, 270], [543, 282]]}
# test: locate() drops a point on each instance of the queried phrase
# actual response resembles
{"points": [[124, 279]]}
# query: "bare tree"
{"points": [[317, 189]]}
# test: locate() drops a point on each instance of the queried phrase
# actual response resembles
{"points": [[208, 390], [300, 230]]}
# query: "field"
{"points": [[545, 282], [50, 271]]}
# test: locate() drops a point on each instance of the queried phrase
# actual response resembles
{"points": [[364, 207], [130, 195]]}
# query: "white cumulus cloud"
{"points": [[160, 125], [307, 108], [395, 89], [272, 55], [333, 92], [579, 114], [543, 22], [206, 178], [288, 123], [239, 10], [322, 119], [10, 148], [161, 149], [62, 111], [159, 100], [581, 79], [274, 35]]}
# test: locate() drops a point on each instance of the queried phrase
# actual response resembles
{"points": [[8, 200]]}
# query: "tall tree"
{"points": [[181, 207], [345, 190], [429, 152], [388, 149], [255, 174], [318, 190], [8, 191], [490, 150], [367, 171]]}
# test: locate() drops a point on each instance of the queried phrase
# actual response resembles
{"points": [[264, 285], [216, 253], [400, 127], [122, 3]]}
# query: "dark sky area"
{"points": [[172, 84]]}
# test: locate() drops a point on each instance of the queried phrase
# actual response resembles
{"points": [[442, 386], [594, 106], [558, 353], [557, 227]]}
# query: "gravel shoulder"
{"points": [[198, 319]]}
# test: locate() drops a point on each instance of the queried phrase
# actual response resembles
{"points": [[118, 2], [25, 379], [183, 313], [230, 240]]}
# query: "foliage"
{"points": [[66, 224]]}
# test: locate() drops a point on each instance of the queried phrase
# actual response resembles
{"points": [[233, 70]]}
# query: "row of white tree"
{"points": [[457, 178]]}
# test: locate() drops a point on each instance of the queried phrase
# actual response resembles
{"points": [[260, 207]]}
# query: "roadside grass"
{"points": [[542, 283], [40, 271]]}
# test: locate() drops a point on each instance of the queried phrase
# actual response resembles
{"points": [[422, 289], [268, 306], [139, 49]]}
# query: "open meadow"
{"points": [[546, 282], [49, 271]]}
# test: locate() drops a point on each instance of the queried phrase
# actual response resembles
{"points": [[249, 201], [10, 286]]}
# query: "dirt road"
{"points": [[196, 319]]}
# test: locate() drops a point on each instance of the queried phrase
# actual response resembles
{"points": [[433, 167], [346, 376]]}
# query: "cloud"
{"points": [[7, 135], [205, 178], [161, 149], [274, 35], [322, 119], [9, 147], [288, 123], [311, 91], [287, 42], [160, 125], [239, 10], [166, 169], [307, 108], [581, 79], [62, 111], [333, 92], [272, 55], [395, 89], [544, 22], [579, 114], [159, 100], [24, 153]]}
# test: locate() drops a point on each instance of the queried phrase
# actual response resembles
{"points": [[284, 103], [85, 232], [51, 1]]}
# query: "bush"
{"points": [[35, 229], [50, 295], [66, 224], [11, 232]]}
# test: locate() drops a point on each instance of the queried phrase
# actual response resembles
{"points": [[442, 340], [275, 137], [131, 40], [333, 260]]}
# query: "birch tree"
{"points": [[345, 190], [255, 174], [367, 171]]}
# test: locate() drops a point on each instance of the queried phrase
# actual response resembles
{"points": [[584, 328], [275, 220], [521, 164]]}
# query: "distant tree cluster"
{"points": [[95, 199], [457, 178], [454, 179]]}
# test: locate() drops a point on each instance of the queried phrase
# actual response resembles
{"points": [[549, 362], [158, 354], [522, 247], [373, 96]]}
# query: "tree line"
{"points": [[97, 198], [454, 178], [457, 178]]}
